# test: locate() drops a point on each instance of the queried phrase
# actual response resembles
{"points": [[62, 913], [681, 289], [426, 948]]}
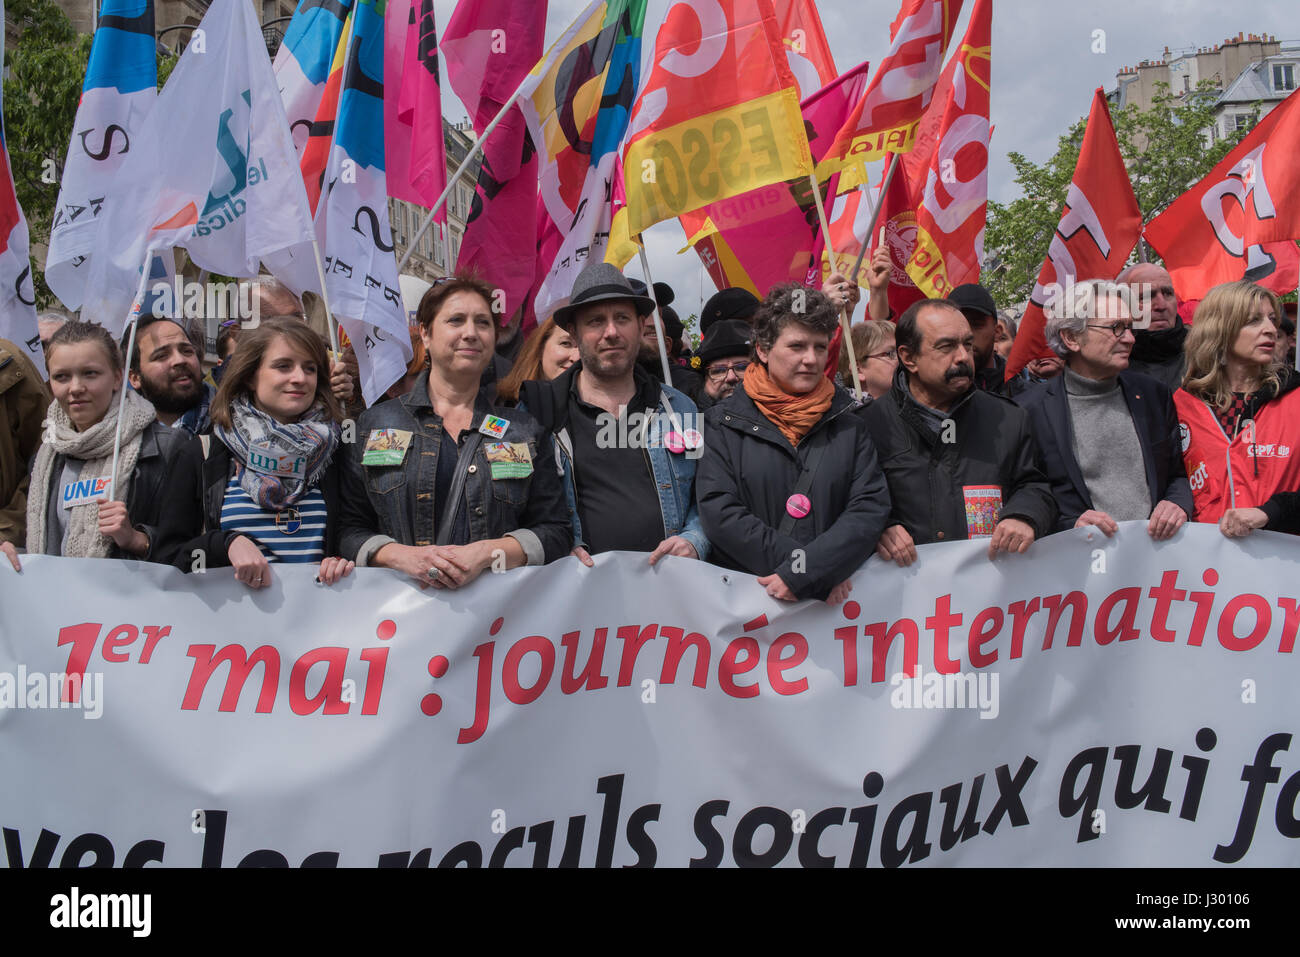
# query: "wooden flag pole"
{"points": [[844, 314], [451, 182]]}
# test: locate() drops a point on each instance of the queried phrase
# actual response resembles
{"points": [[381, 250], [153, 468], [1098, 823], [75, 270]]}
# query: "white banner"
{"points": [[1115, 703]]}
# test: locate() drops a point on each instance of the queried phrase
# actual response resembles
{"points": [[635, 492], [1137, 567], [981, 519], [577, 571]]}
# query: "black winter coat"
{"points": [[992, 444], [1156, 421], [749, 470]]}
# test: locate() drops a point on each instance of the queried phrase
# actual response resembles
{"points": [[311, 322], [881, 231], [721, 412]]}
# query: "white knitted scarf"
{"points": [[95, 448]]}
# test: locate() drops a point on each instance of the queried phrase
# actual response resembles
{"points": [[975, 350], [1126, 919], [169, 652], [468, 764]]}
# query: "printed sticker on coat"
{"points": [[983, 503], [87, 491], [386, 447], [509, 459], [494, 427]]}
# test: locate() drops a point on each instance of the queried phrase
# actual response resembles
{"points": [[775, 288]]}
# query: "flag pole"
{"points": [[325, 299], [132, 321], [875, 213], [844, 315], [451, 180], [659, 326]]}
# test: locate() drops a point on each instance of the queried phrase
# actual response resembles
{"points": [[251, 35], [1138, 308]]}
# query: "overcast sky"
{"points": [[1044, 73]]}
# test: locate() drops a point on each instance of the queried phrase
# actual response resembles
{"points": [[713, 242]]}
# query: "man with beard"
{"points": [[724, 356], [960, 462], [976, 304], [1157, 348], [627, 444], [164, 368], [683, 379]]}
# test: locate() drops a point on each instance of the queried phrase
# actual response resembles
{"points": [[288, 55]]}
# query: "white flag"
{"points": [[215, 170], [352, 217], [117, 96]]}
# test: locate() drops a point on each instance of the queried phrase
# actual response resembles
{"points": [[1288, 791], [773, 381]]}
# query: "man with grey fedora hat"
{"points": [[626, 444]]}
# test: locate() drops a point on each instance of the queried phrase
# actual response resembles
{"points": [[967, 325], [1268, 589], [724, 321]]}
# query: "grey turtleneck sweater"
{"points": [[1106, 447]]}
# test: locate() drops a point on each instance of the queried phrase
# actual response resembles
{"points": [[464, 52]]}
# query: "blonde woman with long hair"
{"points": [[1239, 412]]}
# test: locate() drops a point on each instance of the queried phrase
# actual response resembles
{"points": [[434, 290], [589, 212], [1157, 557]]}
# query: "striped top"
{"points": [[298, 541]]}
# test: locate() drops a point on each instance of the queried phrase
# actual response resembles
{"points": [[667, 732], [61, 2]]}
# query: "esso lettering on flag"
{"points": [[706, 159]]}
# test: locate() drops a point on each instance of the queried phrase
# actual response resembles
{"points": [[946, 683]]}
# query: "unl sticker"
{"points": [[261, 458], [983, 503], [509, 460], [87, 491], [386, 447]]}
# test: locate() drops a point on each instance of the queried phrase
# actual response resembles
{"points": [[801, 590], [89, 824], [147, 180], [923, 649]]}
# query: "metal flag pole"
{"points": [[659, 326], [325, 299], [132, 322], [451, 181], [844, 315], [875, 213]]}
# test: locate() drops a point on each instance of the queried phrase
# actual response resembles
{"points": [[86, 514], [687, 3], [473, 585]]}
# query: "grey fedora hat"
{"points": [[596, 283]]}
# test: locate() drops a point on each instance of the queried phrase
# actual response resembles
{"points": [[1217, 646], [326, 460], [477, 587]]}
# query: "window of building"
{"points": [[1283, 77]]}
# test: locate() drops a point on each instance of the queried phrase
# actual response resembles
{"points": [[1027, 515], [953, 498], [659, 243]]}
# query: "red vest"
{"points": [[1247, 471]]}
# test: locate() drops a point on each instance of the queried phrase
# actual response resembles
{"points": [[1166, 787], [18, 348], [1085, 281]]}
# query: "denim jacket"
{"points": [[395, 503], [674, 472]]}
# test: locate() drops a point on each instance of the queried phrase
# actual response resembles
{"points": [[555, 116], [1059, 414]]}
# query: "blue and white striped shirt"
{"points": [[302, 540]]}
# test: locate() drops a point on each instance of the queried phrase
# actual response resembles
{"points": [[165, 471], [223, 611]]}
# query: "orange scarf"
{"points": [[794, 415]]}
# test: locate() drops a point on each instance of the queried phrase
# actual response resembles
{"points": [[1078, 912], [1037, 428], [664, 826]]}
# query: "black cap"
{"points": [[974, 297], [673, 327], [664, 294], [726, 338], [729, 303]]}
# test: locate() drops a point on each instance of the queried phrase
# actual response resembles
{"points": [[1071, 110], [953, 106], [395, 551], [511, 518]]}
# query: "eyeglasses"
{"points": [[1117, 328], [718, 373], [889, 355]]}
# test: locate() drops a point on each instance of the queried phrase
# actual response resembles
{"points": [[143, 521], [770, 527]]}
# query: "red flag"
{"points": [[414, 151], [1222, 228], [806, 49], [947, 171], [1099, 228], [886, 119], [489, 47], [773, 232], [718, 115]]}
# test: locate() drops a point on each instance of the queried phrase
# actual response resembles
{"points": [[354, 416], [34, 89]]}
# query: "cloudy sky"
{"points": [[1044, 73]]}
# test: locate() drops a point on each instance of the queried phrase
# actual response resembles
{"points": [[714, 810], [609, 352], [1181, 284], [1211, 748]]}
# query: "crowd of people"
{"points": [[756, 454]]}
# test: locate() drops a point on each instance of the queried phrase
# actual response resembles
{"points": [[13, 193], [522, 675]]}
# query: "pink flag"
{"points": [[413, 145], [489, 47]]}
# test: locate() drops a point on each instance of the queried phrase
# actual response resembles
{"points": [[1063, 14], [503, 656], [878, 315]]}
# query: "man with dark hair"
{"points": [[164, 368], [960, 462], [627, 444], [789, 486], [976, 304], [683, 379]]}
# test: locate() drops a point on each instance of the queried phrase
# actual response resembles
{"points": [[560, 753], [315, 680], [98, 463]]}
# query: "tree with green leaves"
{"points": [[1166, 154], [45, 70]]}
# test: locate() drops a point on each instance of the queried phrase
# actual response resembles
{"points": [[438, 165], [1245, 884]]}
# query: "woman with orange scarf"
{"points": [[789, 488]]}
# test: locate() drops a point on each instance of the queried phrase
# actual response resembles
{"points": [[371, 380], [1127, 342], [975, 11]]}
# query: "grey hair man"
{"points": [[1109, 436]]}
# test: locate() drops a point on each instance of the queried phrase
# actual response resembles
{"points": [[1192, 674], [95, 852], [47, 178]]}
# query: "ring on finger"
{"points": [[431, 573]]}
